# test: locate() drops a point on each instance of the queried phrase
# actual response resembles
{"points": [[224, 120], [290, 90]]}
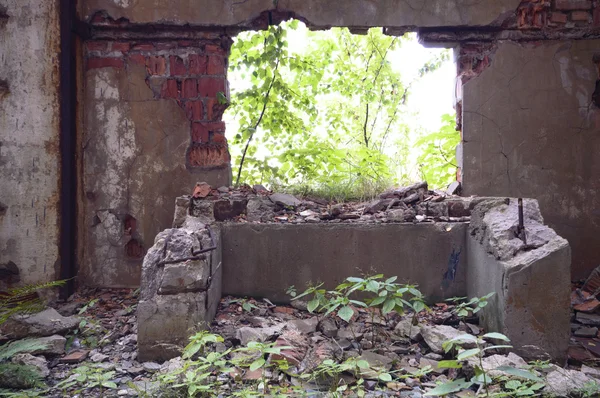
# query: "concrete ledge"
{"points": [[263, 260], [531, 280]]}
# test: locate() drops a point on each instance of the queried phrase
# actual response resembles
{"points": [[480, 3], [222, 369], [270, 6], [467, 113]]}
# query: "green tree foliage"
{"points": [[328, 116], [438, 154]]}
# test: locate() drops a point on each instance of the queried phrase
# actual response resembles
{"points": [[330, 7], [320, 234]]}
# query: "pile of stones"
{"points": [[414, 203]]}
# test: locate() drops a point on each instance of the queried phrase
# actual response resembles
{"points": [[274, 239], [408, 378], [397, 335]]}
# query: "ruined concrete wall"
{"points": [[29, 137], [263, 260], [152, 130], [530, 129], [319, 13]]}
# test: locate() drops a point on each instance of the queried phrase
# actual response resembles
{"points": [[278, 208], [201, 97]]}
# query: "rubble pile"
{"points": [[585, 321], [408, 346], [414, 203]]}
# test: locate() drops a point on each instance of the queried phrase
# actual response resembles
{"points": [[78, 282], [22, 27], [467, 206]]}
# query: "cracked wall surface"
{"points": [[138, 135], [530, 129], [321, 13], [29, 138]]}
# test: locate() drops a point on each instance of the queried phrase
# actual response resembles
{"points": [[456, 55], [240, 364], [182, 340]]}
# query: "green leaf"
{"points": [[109, 384], [388, 306], [468, 354], [346, 313], [361, 363], [449, 388], [496, 336], [385, 377], [449, 364], [257, 364], [312, 305], [524, 374]]}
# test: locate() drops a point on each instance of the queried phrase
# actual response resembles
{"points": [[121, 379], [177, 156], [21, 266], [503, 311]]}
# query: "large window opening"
{"points": [[339, 115]]}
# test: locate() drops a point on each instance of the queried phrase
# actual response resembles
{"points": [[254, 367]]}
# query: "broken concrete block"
{"points": [[180, 289], [531, 278], [436, 335], [285, 200], [44, 323]]}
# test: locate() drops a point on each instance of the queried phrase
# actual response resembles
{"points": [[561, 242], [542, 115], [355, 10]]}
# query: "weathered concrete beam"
{"points": [[531, 278]]}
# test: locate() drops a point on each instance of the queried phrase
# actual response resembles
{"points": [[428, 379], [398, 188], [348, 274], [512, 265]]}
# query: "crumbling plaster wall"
{"points": [[29, 137], [150, 112], [530, 129]]}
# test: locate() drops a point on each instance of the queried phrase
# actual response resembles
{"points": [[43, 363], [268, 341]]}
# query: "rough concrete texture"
{"points": [[263, 260], [29, 132], [320, 13], [134, 147], [530, 129], [531, 280], [180, 291]]}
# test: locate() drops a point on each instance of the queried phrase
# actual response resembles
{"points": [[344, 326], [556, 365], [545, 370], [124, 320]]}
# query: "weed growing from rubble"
{"points": [[464, 308], [589, 389], [88, 377], [385, 295], [528, 384], [24, 300]]}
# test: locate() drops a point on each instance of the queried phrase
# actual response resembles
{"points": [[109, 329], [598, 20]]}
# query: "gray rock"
{"points": [[377, 364], [259, 209], [191, 276], [587, 332], [328, 327], [493, 362], [98, 357], [182, 209], [305, 326], [45, 323], [151, 366], [377, 205], [285, 200], [588, 319], [562, 382], [593, 372], [453, 188], [55, 345], [247, 334], [38, 362], [436, 335], [405, 328]]}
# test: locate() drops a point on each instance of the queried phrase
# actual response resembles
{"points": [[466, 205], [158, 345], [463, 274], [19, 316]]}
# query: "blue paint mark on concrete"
{"points": [[450, 274]]}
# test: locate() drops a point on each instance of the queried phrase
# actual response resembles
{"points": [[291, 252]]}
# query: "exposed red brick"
{"points": [[138, 59], [558, 17], [190, 88], [208, 155], [170, 89], [201, 132], [177, 66], [156, 65], [218, 138], [121, 46], [96, 63], [210, 86], [597, 16], [134, 249], [165, 45], [216, 65], [185, 43], [569, 5], [212, 49], [579, 16], [143, 47], [194, 110], [96, 45], [214, 110], [197, 64]]}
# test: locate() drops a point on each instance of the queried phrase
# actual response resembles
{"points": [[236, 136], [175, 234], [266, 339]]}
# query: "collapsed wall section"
{"points": [[529, 273]]}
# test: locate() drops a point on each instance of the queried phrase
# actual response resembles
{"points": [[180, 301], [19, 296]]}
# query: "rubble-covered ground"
{"points": [[388, 356]]}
